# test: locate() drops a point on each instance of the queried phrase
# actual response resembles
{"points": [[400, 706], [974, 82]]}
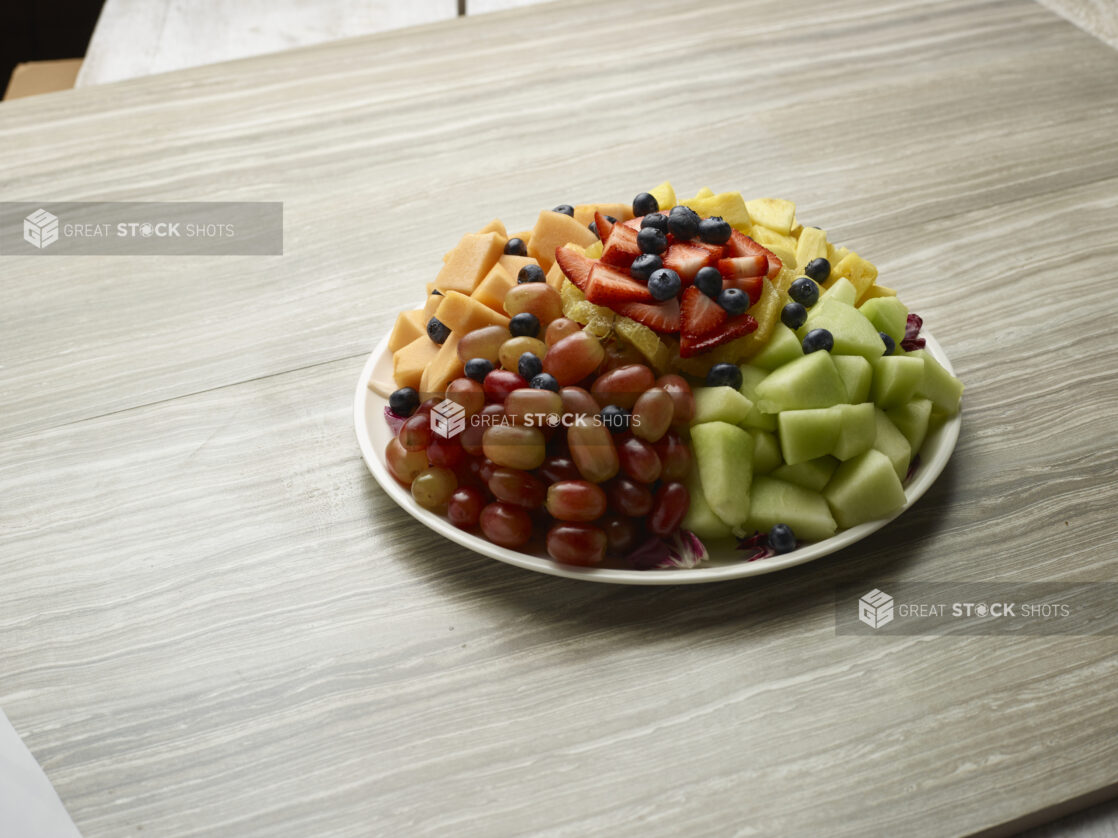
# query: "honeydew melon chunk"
{"points": [[812, 245], [852, 331], [944, 389], [857, 430], [807, 434], [664, 195], [783, 346], [811, 474], [724, 457], [774, 213], [809, 381], [888, 314], [864, 489], [730, 206], [774, 501], [857, 375], [912, 420], [766, 452], [700, 518], [895, 379], [751, 376], [892, 443], [839, 288], [720, 404]]}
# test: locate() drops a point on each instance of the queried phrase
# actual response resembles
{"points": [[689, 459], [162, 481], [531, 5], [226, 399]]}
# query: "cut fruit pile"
{"points": [[625, 380]]}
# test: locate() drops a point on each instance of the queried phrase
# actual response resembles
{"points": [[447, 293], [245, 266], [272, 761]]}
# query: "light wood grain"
{"points": [[215, 623], [1099, 17]]}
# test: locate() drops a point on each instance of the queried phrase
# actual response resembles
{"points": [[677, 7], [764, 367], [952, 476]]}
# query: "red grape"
{"points": [[445, 452], [578, 402], [682, 398], [622, 534], [622, 386], [675, 456], [575, 500], [464, 508], [592, 451], [629, 497], [577, 544], [514, 446], [517, 487], [468, 393], [668, 509], [433, 487], [638, 459], [499, 383], [573, 358], [403, 464], [532, 407], [652, 414], [415, 433], [506, 525], [558, 468], [559, 329]]}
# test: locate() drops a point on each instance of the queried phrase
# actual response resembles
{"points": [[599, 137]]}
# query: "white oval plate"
{"points": [[373, 435]]}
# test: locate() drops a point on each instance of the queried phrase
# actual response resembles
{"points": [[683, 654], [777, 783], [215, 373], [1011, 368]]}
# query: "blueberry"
{"points": [[818, 269], [544, 381], [530, 273], [657, 220], [437, 330], [524, 324], [734, 300], [793, 315], [529, 366], [645, 266], [683, 222], [615, 418], [644, 203], [724, 375], [714, 230], [890, 344], [478, 368], [593, 228], [436, 292], [709, 281], [782, 539], [404, 401], [804, 291], [818, 339], [565, 209], [516, 247], [664, 284], [651, 240]]}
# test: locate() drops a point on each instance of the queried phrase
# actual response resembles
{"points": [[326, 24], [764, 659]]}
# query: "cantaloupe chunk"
{"points": [[495, 226], [492, 290], [552, 230], [430, 307], [463, 314], [443, 368], [409, 326], [555, 277], [470, 261], [409, 361], [584, 213], [513, 264], [523, 235]]}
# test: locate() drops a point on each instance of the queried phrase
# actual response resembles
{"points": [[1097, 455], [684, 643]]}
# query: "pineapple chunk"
{"points": [[705, 192], [835, 254], [595, 250], [664, 195], [774, 213], [729, 205], [770, 239], [647, 342], [812, 245], [860, 272], [876, 290]]}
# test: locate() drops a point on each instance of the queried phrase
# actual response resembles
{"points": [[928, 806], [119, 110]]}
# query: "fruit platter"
{"points": [[662, 391]]}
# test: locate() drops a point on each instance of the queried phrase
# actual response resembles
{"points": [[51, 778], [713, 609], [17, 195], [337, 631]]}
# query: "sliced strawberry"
{"points": [[574, 266], [716, 250], [739, 267], [686, 260], [741, 245], [621, 246], [659, 317], [700, 315], [751, 285], [733, 328], [604, 225], [608, 286]]}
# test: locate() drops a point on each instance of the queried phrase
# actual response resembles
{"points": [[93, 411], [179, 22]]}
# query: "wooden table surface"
{"points": [[213, 622]]}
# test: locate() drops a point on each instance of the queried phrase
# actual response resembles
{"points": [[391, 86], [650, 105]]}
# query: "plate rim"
{"points": [[929, 471]]}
